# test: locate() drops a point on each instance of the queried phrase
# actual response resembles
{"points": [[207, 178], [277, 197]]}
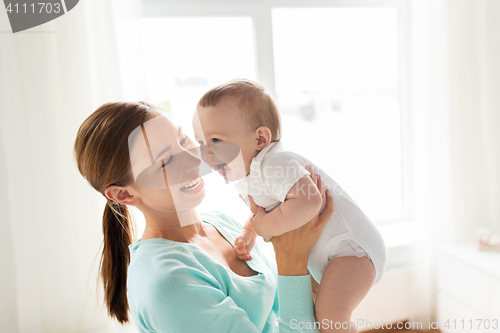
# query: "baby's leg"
{"points": [[345, 282]]}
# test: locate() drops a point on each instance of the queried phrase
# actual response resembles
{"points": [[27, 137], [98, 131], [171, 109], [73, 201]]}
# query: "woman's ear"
{"points": [[120, 195], [263, 136]]}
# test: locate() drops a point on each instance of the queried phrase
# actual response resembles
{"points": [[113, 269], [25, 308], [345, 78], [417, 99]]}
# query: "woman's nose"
{"points": [[186, 167], [190, 158]]}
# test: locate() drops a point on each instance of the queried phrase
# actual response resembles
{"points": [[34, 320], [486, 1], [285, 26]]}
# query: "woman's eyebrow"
{"points": [[179, 130], [162, 152]]}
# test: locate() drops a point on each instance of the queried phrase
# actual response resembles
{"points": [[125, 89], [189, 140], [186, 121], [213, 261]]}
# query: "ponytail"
{"points": [[117, 228], [102, 156]]}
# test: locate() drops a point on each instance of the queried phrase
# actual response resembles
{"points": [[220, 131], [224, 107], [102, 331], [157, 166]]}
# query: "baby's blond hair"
{"points": [[252, 99]]}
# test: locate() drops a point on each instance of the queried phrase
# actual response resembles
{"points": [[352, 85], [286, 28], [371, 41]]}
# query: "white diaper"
{"points": [[347, 248], [340, 239]]}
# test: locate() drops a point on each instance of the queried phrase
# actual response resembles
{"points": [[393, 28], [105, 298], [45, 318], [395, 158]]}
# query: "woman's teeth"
{"points": [[194, 184]]}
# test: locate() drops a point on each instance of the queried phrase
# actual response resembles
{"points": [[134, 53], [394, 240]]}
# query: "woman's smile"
{"points": [[194, 186]]}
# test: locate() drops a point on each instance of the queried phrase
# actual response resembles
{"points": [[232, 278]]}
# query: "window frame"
{"points": [[260, 11]]}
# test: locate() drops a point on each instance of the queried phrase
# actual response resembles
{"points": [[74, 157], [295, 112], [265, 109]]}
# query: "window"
{"points": [[337, 77], [335, 73], [184, 57]]}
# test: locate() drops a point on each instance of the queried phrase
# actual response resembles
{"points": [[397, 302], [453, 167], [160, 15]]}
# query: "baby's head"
{"points": [[240, 112]]}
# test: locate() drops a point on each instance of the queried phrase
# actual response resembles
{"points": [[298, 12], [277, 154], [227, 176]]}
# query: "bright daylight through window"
{"points": [[337, 87]]}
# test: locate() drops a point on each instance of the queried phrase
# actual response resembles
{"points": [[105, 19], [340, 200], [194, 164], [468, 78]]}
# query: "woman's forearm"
{"points": [[296, 305]]}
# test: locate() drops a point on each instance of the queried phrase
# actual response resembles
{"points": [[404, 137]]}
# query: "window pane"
{"points": [[186, 56], [337, 79]]}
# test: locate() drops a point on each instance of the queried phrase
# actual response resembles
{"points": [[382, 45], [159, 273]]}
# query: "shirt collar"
{"points": [[274, 147]]}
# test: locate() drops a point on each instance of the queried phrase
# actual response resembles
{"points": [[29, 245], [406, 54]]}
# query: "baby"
{"points": [[350, 256]]}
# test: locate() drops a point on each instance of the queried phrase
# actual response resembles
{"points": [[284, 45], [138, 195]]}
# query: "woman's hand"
{"points": [[292, 248]]}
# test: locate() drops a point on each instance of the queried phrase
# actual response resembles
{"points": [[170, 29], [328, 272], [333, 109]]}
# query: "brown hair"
{"points": [[102, 156], [252, 99]]}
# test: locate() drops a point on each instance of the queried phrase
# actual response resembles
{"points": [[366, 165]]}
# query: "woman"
{"points": [[184, 275]]}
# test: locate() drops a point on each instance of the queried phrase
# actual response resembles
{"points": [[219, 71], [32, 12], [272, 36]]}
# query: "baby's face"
{"points": [[222, 124]]}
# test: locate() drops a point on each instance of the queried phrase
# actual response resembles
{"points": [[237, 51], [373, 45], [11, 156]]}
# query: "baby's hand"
{"points": [[244, 243]]}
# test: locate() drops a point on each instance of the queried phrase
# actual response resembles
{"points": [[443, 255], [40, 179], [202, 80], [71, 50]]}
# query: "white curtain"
{"points": [[50, 82], [51, 78], [455, 121], [475, 113]]}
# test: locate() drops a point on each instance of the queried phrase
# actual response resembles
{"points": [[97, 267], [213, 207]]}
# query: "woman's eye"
{"points": [[184, 139], [164, 164], [214, 140], [200, 142]]}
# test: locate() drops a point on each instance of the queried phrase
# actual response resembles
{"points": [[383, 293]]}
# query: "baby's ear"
{"points": [[263, 136]]}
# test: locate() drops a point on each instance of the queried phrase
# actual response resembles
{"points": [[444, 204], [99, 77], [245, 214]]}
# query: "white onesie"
{"points": [[348, 232]]}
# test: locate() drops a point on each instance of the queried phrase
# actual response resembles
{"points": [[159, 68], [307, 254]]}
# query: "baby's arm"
{"points": [[301, 204]]}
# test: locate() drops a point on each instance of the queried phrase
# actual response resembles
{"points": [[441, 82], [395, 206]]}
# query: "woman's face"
{"points": [[165, 167]]}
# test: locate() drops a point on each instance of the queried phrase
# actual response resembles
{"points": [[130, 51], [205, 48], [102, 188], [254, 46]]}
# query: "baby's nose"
{"points": [[206, 155]]}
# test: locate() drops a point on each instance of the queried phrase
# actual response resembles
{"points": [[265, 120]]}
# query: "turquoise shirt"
{"points": [[178, 287]]}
